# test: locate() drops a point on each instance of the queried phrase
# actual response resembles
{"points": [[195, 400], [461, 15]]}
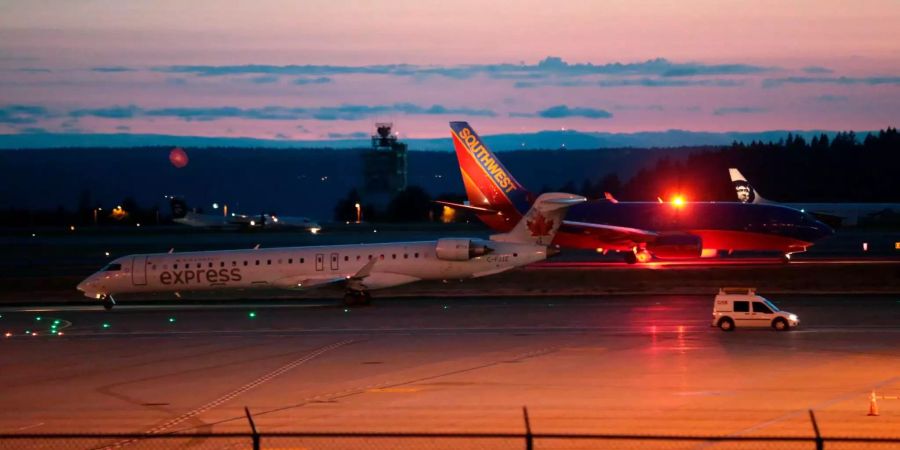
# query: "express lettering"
{"points": [[490, 165], [200, 276]]}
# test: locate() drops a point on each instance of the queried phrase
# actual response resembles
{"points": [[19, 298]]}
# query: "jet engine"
{"points": [[676, 246], [455, 249]]}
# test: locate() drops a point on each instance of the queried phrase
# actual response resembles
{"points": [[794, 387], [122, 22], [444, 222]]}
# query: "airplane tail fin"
{"points": [[178, 207], [744, 190], [542, 221], [488, 183]]}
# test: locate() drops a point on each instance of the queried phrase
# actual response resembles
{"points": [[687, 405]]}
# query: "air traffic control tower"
{"points": [[384, 167]]}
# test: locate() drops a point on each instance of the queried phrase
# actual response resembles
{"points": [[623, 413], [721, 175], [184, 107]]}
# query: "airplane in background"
{"points": [[183, 215], [357, 268], [834, 214], [642, 230]]}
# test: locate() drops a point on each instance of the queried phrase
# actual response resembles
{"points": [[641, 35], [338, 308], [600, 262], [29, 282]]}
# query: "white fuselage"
{"points": [[299, 267]]}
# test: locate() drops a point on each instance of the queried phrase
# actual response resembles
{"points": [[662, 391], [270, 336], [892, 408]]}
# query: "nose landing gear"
{"points": [[108, 302]]}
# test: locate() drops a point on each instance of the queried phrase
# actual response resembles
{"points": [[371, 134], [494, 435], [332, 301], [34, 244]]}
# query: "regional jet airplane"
{"points": [[181, 214], [641, 229], [357, 268], [834, 214]]}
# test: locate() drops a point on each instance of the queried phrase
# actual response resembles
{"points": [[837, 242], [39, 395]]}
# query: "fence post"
{"points": [[255, 435], [529, 439], [820, 443]]}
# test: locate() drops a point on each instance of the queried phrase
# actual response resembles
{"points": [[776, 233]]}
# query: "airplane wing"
{"points": [[476, 209], [610, 236], [306, 282]]}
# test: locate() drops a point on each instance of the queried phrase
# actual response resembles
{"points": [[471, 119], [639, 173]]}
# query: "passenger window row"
{"points": [[256, 262]]}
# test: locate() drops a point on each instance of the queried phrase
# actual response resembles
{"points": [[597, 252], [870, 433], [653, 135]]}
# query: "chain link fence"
{"points": [[526, 440], [429, 441]]}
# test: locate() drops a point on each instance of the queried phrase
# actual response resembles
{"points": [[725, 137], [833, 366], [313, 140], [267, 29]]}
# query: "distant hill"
{"points": [[287, 181], [554, 139]]}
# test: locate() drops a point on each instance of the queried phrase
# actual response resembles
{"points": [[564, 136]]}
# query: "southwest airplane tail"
{"points": [[494, 195]]}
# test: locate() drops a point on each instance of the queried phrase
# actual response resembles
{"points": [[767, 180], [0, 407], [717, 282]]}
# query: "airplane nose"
{"points": [[84, 285]]}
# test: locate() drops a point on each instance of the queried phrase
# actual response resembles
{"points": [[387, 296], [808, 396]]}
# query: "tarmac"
{"points": [[641, 364]]}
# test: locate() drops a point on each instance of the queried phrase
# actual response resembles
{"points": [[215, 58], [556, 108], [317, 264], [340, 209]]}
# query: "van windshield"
{"points": [[772, 306]]}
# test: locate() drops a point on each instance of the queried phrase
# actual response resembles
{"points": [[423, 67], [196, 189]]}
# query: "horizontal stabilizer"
{"points": [[542, 221], [476, 209]]}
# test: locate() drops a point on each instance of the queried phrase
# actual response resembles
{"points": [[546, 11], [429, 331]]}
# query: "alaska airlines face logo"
{"points": [[199, 276], [539, 226], [484, 158], [744, 191]]}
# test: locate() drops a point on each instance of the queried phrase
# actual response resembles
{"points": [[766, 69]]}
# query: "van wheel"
{"points": [[726, 324], [780, 325]]}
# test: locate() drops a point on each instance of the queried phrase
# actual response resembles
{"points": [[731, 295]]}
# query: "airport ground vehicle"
{"points": [[742, 307]]}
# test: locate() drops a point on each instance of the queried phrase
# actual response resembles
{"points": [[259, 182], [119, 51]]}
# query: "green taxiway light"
{"points": [[171, 320], [38, 318], [105, 325], [251, 314], [56, 322]]}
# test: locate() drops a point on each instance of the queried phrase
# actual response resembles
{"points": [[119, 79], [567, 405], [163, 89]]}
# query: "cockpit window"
{"points": [[112, 267]]}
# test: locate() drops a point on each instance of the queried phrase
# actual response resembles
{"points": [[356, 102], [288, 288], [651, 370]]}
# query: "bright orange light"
{"points": [[118, 213], [448, 214], [643, 256]]}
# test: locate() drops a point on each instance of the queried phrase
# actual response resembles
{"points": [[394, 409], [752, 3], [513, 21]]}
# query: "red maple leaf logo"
{"points": [[539, 226]]}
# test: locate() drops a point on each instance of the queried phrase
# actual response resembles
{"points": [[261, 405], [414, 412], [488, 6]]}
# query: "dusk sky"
{"points": [[329, 69]]}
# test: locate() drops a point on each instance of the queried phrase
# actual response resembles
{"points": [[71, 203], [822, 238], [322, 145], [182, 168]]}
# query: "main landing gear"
{"points": [[786, 258], [357, 298], [108, 302], [638, 255]]}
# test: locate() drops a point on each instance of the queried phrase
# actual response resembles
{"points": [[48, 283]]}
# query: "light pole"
{"points": [[358, 213], [95, 215]]}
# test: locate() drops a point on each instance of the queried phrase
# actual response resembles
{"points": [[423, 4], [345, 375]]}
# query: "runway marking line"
{"points": [[231, 395], [28, 427], [792, 414], [393, 390]]}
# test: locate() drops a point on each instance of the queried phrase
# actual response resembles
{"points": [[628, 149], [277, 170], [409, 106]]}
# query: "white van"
{"points": [[741, 307]]}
